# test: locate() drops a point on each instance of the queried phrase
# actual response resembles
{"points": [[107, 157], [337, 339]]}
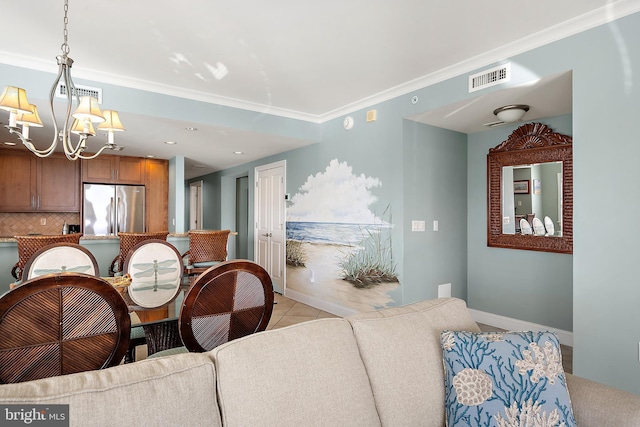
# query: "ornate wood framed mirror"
{"points": [[530, 175]]}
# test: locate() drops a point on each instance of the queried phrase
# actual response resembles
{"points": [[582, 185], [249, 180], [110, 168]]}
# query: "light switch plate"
{"points": [[418, 225]]}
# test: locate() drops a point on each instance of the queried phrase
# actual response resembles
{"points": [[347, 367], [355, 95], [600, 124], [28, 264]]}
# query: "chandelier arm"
{"points": [[104, 147], [72, 152], [65, 134], [27, 143]]}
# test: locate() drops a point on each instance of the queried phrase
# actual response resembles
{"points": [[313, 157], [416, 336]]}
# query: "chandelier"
{"points": [[21, 112]]}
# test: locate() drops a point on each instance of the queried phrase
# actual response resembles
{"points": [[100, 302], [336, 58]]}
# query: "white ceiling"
{"points": [[310, 60]]}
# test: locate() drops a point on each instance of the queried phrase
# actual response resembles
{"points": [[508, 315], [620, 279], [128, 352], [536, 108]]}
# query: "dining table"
{"points": [[160, 324]]}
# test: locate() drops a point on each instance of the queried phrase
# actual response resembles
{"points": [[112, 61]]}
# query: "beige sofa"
{"points": [[380, 368]]}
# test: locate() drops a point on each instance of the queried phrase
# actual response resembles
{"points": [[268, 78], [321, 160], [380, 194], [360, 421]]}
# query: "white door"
{"points": [[270, 227], [195, 205]]}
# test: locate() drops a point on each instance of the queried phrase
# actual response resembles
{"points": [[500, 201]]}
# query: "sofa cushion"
{"points": [[309, 374], [505, 378], [401, 351], [175, 391]]}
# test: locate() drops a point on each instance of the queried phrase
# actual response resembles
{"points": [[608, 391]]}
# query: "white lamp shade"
{"points": [[82, 126], [14, 99], [88, 109], [32, 119], [111, 122]]}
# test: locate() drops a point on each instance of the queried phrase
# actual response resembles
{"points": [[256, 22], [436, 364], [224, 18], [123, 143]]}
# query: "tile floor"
{"points": [[289, 312]]}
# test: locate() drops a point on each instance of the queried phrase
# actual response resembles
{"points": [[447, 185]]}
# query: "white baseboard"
{"points": [[502, 322], [329, 307]]}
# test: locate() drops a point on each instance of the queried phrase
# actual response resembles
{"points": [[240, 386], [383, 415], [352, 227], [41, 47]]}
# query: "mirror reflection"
{"points": [[532, 199]]}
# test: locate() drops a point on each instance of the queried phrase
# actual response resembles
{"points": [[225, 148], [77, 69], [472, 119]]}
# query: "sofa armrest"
{"points": [[596, 405]]}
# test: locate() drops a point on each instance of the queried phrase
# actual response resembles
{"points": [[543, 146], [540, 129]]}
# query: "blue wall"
{"points": [[435, 188], [526, 285], [593, 292]]}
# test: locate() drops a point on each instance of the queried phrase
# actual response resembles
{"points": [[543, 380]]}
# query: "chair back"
{"points": [[29, 245], [61, 258], [155, 268], [208, 245], [60, 324], [548, 225], [228, 301], [538, 227], [127, 242]]}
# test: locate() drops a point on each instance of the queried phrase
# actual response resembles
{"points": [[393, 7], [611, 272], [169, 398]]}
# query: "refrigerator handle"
{"points": [[118, 216], [110, 219]]}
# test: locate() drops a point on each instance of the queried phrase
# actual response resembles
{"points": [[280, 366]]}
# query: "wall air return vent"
{"points": [[490, 77], [96, 92]]}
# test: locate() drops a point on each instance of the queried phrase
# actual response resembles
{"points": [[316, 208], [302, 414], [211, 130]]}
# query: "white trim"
{"points": [[314, 302], [502, 322]]}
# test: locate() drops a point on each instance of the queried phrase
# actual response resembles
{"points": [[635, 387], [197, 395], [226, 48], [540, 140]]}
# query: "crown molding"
{"points": [[603, 15]]}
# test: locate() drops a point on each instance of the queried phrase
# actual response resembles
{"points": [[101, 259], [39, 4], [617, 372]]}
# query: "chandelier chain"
{"points": [[65, 47]]}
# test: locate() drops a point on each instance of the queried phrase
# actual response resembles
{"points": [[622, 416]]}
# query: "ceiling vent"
{"points": [[96, 92], [490, 77], [494, 124]]}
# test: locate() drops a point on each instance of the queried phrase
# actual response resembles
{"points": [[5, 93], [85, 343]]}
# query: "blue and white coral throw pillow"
{"points": [[510, 379]]}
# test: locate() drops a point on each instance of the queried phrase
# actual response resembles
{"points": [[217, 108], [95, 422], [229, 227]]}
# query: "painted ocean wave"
{"points": [[331, 233]]}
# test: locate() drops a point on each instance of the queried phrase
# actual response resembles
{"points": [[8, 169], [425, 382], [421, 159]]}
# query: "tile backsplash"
{"points": [[20, 224]]}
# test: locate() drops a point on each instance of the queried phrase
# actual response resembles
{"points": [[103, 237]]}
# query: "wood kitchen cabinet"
{"points": [[32, 184], [157, 194], [110, 169]]}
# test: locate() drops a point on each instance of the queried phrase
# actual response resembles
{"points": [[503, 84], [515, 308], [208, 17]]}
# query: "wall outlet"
{"points": [[312, 276], [435, 225], [444, 291], [43, 221]]}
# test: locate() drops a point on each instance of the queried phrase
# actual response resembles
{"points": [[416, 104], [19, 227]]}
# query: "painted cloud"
{"points": [[335, 195]]}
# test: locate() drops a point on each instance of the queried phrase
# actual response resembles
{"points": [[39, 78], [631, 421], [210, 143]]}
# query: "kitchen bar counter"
{"points": [[12, 240], [103, 248]]}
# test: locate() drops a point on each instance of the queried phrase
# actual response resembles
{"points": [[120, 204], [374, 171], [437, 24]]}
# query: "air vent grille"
{"points": [[491, 77], [96, 92]]}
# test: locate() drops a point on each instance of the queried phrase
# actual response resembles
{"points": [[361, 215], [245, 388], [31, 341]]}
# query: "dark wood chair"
{"points": [[61, 258], [29, 245], [228, 301], [206, 249], [60, 324], [127, 242]]}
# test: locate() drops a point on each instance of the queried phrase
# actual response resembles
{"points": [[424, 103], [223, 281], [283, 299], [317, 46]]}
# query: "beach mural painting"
{"points": [[338, 249]]}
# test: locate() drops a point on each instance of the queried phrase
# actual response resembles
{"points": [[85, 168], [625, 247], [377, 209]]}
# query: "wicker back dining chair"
{"points": [[127, 242], [60, 324], [228, 301], [29, 245], [61, 258], [206, 249]]}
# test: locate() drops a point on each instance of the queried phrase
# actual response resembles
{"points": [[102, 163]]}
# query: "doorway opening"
{"points": [[242, 217], [195, 205]]}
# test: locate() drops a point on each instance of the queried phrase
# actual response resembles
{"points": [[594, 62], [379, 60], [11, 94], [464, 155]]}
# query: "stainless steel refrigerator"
{"points": [[108, 209]]}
